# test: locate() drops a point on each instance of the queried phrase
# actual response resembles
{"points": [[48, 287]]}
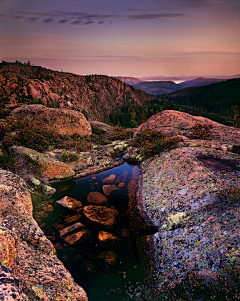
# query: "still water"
{"points": [[104, 269]]}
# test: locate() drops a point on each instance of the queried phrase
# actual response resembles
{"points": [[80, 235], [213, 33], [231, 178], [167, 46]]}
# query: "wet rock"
{"points": [[70, 229], [48, 190], [47, 208], [124, 233], [96, 198], [110, 257], [72, 219], [110, 179], [120, 185], [101, 215], [107, 189], [106, 237], [89, 266], [69, 203], [79, 237]]}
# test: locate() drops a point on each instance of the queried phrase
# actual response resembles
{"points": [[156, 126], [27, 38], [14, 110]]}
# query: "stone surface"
{"points": [[30, 269], [110, 179], [106, 237], [192, 195], [62, 121], [69, 203], [110, 257], [174, 123], [107, 189], [48, 190], [49, 167], [78, 237], [96, 198], [70, 229], [101, 215]]}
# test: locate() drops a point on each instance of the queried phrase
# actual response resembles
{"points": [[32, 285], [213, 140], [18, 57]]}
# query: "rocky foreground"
{"points": [[190, 193]]}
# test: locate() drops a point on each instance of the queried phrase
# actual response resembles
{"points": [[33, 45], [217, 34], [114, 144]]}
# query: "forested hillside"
{"points": [[96, 96], [219, 102]]}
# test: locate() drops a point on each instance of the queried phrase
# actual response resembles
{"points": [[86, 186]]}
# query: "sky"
{"points": [[140, 38]]}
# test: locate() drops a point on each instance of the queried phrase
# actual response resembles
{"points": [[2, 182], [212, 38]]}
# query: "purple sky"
{"points": [[128, 37]]}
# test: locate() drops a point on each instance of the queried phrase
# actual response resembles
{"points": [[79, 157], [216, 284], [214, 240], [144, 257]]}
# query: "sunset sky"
{"points": [[128, 37]]}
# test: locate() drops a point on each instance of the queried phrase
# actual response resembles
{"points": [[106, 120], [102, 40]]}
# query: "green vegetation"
{"points": [[201, 131], [69, 157], [120, 134], [45, 140], [218, 102], [97, 131], [153, 142]]}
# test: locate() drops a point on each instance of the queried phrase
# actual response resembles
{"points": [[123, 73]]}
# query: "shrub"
{"points": [[120, 134], [7, 161], [201, 131], [154, 142], [236, 149], [69, 157], [42, 140], [97, 131], [230, 195]]}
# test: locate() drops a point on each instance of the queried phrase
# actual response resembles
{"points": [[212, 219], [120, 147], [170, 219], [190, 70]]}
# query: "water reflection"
{"points": [[113, 255]]}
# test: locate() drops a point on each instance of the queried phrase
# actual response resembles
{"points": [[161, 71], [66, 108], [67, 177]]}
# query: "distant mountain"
{"points": [[96, 96], [163, 87], [200, 81], [158, 87], [129, 80], [211, 101]]}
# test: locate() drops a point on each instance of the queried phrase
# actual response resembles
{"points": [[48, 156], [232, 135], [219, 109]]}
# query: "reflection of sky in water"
{"points": [[129, 269]]}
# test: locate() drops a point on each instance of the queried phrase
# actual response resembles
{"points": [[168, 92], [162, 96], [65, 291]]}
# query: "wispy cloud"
{"points": [[1, 16], [101, 22], [63, 21], [155, 16], [205, 53], [88, 22], [32, 19], [49, 20], [17, 17], [76, 22]]}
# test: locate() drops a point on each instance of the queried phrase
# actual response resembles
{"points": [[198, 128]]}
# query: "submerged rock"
{"points": [[96, 198], [101, 215], [70, 229], [106, 237], [69, 203], [110, 179], [110, 257], [107, 189], [79, 237]]}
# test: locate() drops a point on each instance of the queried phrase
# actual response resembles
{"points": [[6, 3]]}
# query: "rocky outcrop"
{"points": [[49, 168], [174, 123], [30, 269], [96, 96], [61, 121], [192, 195]]}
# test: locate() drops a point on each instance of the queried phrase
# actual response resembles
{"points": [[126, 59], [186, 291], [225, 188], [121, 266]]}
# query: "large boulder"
{"points": [[174, 123], [49, 167], [62, 121], [30, 269], [192, 195]]}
